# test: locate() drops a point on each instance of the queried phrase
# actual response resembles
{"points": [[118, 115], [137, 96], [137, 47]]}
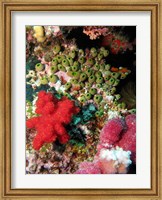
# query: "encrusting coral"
{"points": [[53, 114]]}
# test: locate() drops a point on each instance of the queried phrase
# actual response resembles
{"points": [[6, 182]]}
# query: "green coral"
{"points": [[86, 114], [77, 136], [29, 93], [57, 49], [31, 62]]}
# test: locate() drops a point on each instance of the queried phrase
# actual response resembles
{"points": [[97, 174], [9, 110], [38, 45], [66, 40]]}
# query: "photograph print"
{"points": [[80, 99]]}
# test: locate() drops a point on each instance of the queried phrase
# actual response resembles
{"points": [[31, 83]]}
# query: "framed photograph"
{"points": [[80, 100]]}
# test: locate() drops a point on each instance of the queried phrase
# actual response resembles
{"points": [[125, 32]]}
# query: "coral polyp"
{"points": [[80, 99]]}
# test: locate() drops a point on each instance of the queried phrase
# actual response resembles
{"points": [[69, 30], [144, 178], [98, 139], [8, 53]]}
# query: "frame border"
{"points": [[7, 7]]}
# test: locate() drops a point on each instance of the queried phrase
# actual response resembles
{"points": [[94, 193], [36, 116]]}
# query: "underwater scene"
{"points": [[80, 99]]}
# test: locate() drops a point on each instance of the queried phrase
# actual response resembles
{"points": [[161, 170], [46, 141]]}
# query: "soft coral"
{"points": [[118, 133], [128, 140], [117, 144], [54, 114]]}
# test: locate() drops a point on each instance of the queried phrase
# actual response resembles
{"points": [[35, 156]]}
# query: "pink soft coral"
{"points": [[88, 168], [116, 146], [95, 32], [128, 140], [111, 131], [108, 167], [117, 134], [54, 115]]}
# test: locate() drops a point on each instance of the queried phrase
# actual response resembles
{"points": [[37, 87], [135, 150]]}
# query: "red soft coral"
{"points": [[54, 115]]}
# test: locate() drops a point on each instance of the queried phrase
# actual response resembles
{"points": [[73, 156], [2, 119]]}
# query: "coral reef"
{"points": [[114, 161], [80, 99], [83, 75]]}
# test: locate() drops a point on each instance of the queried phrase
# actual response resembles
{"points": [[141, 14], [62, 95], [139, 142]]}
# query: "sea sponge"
{"points": [[39, 33], [54, 115]]}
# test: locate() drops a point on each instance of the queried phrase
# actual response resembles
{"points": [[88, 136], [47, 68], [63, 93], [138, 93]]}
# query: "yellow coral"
{"points": [[39, 33]]}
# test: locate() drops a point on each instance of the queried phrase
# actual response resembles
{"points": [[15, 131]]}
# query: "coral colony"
{"points": [[80, 100]]}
